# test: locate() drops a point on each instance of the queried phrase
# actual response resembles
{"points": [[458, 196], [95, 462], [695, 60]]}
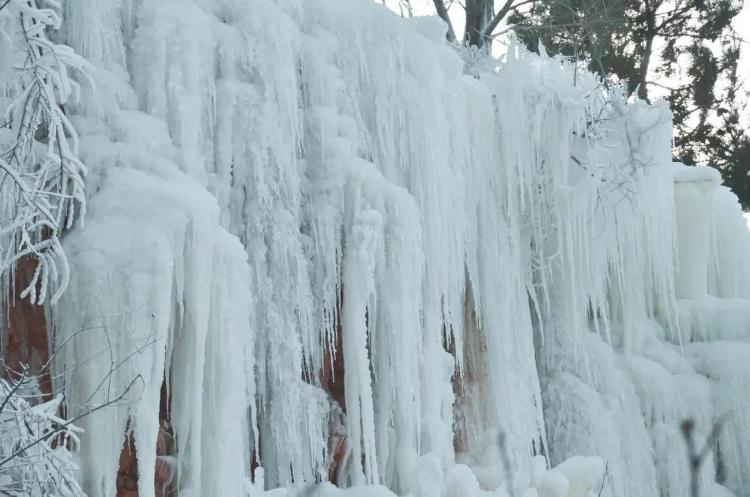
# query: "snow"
{"points": [[28, 467], [696, 174], [505, 252], [42, 188], [576, 477]]}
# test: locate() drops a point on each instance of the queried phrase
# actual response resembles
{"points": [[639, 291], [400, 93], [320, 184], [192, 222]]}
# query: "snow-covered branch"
{"points": [[37, 439], [35, 443], [41, 178]]}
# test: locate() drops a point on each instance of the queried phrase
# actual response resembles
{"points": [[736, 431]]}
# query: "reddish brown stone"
{"points": [[468, 384], [332, 381], [24, 331], [127, 474], [332, 372], [164, 479]]}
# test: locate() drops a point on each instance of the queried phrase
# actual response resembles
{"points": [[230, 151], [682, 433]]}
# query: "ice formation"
{"points": [[276, 186]]}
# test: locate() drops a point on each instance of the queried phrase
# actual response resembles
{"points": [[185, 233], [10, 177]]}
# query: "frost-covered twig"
{"points": [[31, 468], [62, 427], [41, 177], [38, 435], [36, 440]]}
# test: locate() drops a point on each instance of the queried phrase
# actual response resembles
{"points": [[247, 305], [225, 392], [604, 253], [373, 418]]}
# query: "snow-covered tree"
{"points": [[35, 443], [41, 177]]}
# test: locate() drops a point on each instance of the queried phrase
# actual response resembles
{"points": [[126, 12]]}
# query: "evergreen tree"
{"points": [[685, 51]]}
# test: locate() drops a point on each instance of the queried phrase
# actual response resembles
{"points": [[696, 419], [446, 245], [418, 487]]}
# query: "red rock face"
{"points": [[332, 372], [24, 332], [127, 473], [165, 477], [332, 381], [166, 473], [468, 386]]}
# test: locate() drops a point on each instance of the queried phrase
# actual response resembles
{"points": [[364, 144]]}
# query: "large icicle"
{"points": [[152, 268], [505, 232]]}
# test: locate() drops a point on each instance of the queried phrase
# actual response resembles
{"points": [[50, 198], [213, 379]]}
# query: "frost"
{"points": [[36, 445], [493, 249], [41, 176]]}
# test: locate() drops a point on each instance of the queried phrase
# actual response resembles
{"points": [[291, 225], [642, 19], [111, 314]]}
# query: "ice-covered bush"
{"points": [[41, 177], [35, 444]]}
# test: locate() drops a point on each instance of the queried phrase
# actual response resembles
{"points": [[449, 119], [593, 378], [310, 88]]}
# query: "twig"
{"points": [[61, 427], [15, 388], [486, 33]]}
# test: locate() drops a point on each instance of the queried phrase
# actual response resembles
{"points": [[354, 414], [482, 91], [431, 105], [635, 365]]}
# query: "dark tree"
{"points": [[481, 19], [685, 51]]}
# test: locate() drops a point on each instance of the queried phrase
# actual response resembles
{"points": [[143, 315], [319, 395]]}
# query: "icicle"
{"points": [[508, 239]]}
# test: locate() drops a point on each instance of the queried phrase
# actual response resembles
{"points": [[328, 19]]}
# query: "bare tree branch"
{"points": [[442, 12], [499, 16], [71, 422]]}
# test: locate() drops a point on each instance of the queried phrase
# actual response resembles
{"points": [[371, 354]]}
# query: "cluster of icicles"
{"points": [[280, 187]]}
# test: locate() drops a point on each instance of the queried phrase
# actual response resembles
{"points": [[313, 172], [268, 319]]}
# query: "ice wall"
{"points": [[153, 308], [716, 317], [491, 246]]}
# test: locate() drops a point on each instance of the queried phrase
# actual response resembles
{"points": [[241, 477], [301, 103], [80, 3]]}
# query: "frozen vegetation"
{"points": [[528, 296]]}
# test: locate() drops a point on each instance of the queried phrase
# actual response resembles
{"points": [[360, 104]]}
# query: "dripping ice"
{"points": [[269, 180]]}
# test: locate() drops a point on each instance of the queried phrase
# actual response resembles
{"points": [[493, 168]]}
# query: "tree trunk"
{"points": [[478, 15], [646, 60], [643, 69]]}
